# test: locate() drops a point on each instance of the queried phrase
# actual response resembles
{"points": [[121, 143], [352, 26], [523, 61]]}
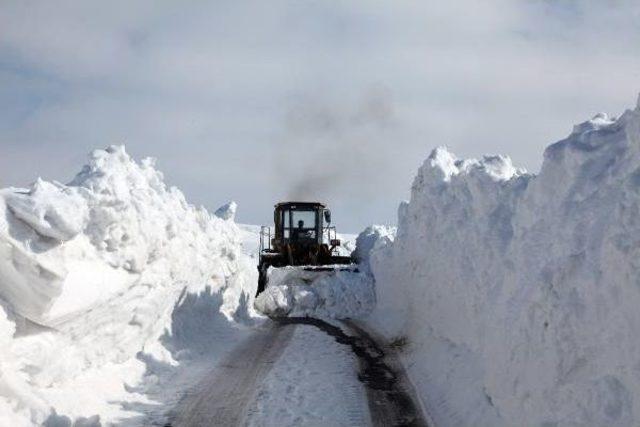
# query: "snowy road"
{"points": [[302, 371], [221, 398]]}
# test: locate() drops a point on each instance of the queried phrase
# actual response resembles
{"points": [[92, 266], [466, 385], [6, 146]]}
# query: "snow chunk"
{"points": [[374, 238], [51, 209], [500, 168], [227, 211], [444, 165], [443, 160], [30, 279], [597, 122], [294, 291]]}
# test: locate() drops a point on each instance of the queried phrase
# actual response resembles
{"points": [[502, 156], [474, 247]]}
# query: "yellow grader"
{"points": [[302, 237]]}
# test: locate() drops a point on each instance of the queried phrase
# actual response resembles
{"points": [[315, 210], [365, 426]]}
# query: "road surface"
{"points": [[363, 387]]}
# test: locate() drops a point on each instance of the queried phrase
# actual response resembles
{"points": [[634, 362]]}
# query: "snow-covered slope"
{"points": [[519, 294], [121, 279]]}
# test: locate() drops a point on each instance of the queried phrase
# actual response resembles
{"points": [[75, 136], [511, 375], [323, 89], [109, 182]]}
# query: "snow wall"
{"points": [[106, 283], [520, 294]]}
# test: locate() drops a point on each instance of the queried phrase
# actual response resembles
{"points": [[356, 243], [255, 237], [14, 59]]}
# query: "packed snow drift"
{"points": [[107, 284], [333, 292], [340, 293], [518, 294]]}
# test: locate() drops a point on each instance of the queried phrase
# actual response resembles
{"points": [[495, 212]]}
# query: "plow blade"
{"points": [[305, 273], [302, 274]]}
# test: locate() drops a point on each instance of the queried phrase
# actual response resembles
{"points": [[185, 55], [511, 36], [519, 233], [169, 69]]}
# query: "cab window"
{"points": [[300, 224]]}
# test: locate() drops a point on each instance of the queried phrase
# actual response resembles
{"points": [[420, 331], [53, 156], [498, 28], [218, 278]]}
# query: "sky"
{"points": [[336, 101]]}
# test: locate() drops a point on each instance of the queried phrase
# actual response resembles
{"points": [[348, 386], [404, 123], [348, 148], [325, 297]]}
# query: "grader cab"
{"points": [[302, 236]]}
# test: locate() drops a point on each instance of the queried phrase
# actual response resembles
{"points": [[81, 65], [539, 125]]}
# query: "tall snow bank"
{"points": [[519, 294], [94, 274]]}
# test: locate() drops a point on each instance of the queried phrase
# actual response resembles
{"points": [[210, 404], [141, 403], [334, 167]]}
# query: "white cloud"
{"points": [[207, 87]]}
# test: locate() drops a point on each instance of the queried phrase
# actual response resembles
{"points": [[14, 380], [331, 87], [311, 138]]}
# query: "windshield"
{"points": [[304, 219], [300, 224]]}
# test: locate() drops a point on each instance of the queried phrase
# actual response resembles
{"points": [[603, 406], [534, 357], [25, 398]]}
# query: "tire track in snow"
{"points": [[357, 415], [379, 399], [222, 397]]}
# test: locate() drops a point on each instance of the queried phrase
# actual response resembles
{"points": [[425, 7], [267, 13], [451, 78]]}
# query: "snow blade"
{"points": [[306, 274], [353, 268]]}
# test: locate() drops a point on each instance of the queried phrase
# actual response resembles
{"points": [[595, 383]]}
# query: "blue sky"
{"points": [[337, 101]]}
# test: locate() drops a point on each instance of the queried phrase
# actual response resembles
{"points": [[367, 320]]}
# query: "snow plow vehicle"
{"points": [[302, 237]]}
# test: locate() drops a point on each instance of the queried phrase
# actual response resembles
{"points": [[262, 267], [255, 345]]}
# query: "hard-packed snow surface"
{"points": [[519, 294], [108, 286], [314, 383]]}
